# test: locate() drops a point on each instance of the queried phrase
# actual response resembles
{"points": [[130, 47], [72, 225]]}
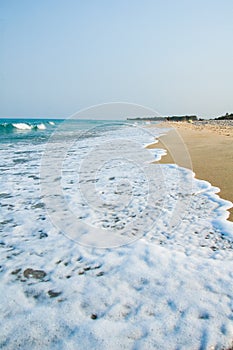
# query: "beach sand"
{"points": [[210, 146]]}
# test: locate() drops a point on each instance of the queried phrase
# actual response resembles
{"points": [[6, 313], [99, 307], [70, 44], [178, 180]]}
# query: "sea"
{"points": [[102, 246], [39, 154], [98, 174], [39, 130]]}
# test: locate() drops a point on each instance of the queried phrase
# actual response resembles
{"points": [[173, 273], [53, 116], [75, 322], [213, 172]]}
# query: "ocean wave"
{"points": [[40, 126], [14, 126], [22, 126]]}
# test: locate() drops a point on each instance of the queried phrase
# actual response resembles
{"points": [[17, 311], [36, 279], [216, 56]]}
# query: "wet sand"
{"points": [[210, 147]]}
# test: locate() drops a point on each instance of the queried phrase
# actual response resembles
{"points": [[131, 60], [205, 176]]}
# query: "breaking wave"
{"points": [[8, 127]]}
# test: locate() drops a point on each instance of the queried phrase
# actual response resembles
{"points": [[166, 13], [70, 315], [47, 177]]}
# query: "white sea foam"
{"points": [[41, 126], [171, 288], [51, 123], [22, 126]]}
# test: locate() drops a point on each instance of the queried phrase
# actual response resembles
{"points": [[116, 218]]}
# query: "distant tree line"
{"points": [[188, 118], [172, 118], [227, 116], [184, 118]]}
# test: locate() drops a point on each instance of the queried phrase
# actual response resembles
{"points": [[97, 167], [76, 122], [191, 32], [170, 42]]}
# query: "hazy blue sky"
{"points": [[58, 56]]}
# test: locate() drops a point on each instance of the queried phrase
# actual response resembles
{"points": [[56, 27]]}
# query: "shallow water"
{"points": [[64, 196]]}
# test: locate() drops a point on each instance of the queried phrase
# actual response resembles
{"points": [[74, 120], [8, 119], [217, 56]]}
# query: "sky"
{"points": [[60, 56]]}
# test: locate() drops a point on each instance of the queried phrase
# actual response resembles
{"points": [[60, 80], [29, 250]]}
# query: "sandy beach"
{"points": [[210, 146]]}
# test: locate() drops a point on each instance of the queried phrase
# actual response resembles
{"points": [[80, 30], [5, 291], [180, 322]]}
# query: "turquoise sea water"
{"points": [[39, 130]]}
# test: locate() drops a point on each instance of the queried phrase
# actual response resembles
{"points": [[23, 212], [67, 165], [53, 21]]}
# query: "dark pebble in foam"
{"points": [[33, 177], [5, 195], [30, 273], [97, 266], [40, 205], [5, 222], [214, 248], [20, 160], [53, 294], [99, 274], [93, 316], [43, 235], [87, 268]]}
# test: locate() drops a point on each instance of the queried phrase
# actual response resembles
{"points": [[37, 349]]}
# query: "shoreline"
{"points": [[210, 147]]}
